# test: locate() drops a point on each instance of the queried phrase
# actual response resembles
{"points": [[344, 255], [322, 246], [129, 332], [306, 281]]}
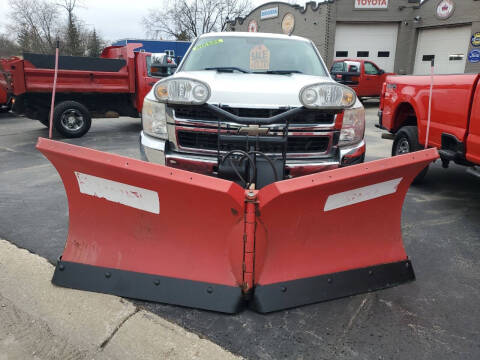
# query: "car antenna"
{"points": [[432, 70]]}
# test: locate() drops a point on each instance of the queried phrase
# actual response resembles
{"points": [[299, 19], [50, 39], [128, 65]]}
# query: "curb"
{"points": [[41, 321]]}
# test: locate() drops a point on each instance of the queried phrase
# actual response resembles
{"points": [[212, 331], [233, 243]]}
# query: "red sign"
{"points": [[445, 9], [371, 4]]}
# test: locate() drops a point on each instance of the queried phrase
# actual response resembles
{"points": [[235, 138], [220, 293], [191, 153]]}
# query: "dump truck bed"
{"points": [[35, 72]]}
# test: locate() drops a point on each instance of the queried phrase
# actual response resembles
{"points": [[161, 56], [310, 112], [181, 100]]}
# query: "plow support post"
{"points": [[333, 234], [149, 232]]}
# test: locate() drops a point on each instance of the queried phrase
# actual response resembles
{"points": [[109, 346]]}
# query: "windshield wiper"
{"points": [[227, 69], [280, 72]]}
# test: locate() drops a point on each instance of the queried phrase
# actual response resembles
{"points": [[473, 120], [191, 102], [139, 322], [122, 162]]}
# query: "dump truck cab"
{"points": [[250, 76]]}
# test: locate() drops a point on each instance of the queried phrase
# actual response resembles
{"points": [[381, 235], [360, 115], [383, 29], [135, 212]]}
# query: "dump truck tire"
{"points": [[71, 119], [406, 141]]}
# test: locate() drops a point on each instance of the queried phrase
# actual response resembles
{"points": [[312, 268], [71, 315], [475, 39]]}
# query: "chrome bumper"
{"points": [[156, 151]]}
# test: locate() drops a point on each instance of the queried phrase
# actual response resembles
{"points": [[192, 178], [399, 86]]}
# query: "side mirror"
{"points": [[162, 70], [381, 72]]}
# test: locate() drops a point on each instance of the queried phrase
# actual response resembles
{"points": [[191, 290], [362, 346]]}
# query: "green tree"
{"points": [[94, 46], [73, 42]]}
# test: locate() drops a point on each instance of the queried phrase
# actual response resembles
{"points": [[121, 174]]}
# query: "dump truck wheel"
{"points": [[406, 141], [71, 119]]}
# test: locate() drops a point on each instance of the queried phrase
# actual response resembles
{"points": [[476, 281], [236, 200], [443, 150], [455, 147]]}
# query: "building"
{"points": [[398, 35], [173, 48]]}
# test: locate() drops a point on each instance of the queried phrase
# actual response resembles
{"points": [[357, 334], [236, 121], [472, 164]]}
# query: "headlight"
{"points": [[353, 126], [182, 91], [327, 96], [154, 119]]}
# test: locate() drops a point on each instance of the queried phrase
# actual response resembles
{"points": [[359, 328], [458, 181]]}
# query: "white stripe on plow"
{"points": [[366, 193], [128, 195]]}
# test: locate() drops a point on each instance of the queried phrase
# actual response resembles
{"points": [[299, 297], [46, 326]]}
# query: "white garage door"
{"points": [[449, 45], [375, 42]]}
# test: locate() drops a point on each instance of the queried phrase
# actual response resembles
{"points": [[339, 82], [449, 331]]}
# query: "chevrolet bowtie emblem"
{"points": [[252, 130]]}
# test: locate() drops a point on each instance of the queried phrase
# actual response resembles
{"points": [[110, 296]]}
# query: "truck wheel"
{"points": [[71, 119], [406, 141]]}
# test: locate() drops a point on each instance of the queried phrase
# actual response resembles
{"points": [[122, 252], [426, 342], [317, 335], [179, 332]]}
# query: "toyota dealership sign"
{"points": [[371, 4]]}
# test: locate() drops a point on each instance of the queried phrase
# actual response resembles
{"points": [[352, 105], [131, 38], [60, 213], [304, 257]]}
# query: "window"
{"points": [[170, 52], [362, 53], [258, 55], [455, 57], [384, 54], [428, 57], [371, 69], [338, 66], [341, 54]]}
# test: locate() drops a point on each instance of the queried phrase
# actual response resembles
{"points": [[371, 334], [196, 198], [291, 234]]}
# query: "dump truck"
{"points": [[5, 98], [455, 116], [4, 101], [221, 219], [110, 86], [364, 76]]}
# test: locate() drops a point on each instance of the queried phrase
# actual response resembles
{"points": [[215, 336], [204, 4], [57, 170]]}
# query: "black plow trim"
{"points": [[288, 294], [229, 299], [129, 284]]}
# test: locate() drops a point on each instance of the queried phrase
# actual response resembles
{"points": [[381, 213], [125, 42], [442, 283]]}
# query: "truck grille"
{"points": [[296, 144], [304, 117]]}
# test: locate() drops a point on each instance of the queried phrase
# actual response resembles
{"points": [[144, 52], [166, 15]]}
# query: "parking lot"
{"points": [[435, 317]]}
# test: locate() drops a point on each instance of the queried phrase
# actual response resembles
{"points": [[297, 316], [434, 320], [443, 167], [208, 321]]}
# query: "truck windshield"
{"points": [[254, 55]]}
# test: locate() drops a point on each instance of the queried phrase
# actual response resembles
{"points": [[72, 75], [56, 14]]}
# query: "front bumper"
{"points": [[157, 151]]}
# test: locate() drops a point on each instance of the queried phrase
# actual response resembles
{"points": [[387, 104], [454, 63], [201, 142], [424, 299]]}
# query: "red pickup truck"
{"points": [[364, 76], [455, 115], [110, 86]]}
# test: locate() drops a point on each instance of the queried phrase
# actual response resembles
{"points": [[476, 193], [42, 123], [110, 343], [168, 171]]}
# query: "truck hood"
{"points": [[254, 90]]}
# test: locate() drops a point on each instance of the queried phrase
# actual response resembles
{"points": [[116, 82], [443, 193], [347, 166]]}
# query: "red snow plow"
{"points": [[152, 232]]}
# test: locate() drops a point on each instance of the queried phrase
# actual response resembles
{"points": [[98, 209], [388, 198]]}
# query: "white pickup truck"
{"points": [[259, 96]]}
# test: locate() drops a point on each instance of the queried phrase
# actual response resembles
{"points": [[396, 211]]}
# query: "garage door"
{"points": [[375, 42], [449, 45]]}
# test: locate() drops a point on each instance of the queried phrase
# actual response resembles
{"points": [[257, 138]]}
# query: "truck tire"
{"points": [[406, 141], [71, 119]]}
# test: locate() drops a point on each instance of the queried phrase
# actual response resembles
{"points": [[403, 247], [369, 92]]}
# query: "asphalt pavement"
{"points": [[435, 317]]}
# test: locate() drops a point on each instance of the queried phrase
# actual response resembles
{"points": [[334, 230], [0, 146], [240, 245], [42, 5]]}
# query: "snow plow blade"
{"points": [[151, 232], [344, 238]]}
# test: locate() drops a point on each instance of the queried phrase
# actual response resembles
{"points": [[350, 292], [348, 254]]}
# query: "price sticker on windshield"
{"points": [[259, 58]]}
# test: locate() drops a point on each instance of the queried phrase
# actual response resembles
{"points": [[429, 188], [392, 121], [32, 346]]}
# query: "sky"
{"points": [[113, 19]]}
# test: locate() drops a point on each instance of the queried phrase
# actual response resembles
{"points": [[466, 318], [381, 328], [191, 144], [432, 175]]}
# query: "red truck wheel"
{"points": [[406, 141], [71, 119]]}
